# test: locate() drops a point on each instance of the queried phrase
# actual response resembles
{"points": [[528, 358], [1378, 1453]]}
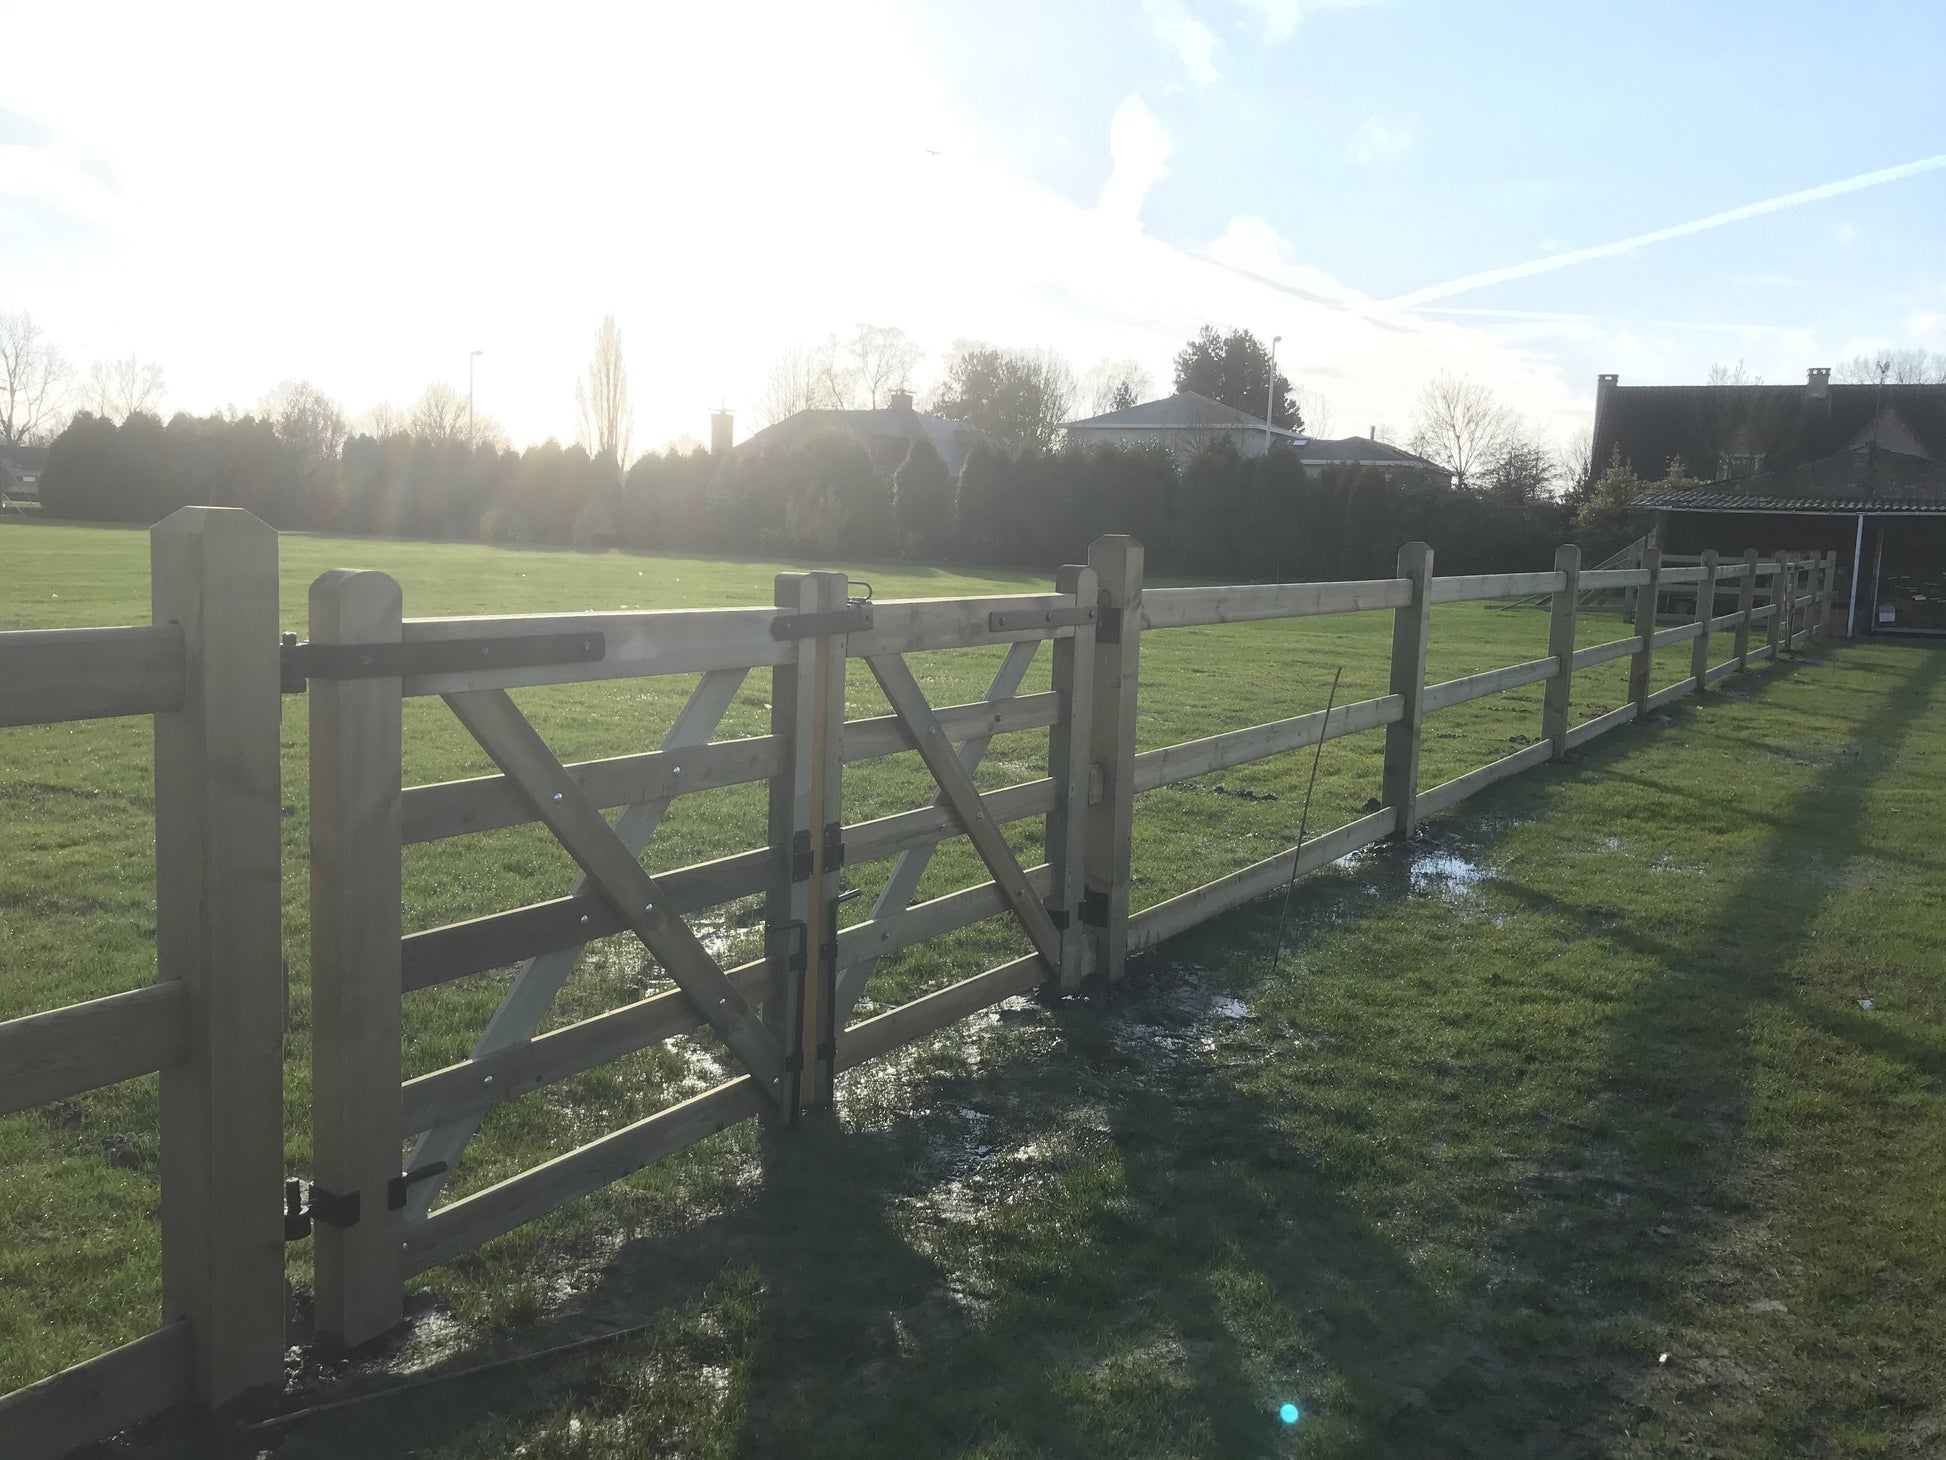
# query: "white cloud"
{"points": [[1138, 147], [1845, 233], [1193, 42], [1281, 18], [1380, 142]]}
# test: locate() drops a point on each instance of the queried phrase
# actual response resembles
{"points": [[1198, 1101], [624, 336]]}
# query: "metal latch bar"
{"points": [[311, 660]]}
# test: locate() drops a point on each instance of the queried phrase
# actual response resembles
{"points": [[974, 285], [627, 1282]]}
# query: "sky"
{"points": [[1524, 193]]}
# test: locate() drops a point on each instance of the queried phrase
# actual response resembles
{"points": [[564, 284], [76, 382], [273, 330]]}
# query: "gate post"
{"points": [[1107, 845], [1648, 600], [1746, 604], [807, 711], [356, 851], [1559, 695], [1699, 652], [1411, 627], [1827, 584], [219, 932], [1784, 593], [1067, 764]]}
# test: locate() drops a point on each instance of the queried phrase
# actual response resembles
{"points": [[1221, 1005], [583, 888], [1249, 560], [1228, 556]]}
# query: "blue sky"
{"points": [[362, 197]]}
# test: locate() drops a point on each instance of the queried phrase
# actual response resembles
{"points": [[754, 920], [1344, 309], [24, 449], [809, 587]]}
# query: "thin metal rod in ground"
{"points": [[1304, 818]]}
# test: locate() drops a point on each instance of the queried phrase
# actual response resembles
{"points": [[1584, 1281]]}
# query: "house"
{"points": [[1357, 452], [1855, 469], [1184, 422], [20, 474], [886, 434]]}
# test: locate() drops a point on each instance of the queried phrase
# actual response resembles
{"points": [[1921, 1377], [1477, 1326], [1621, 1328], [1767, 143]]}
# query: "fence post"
{"points": [[1399, 787], [1776, 600], [219, 932], [1067, 764], [1746, 605], [1827, 584], [1106, 857], [1699, 653], [1559, 696], [356, 747], [1786, 615], [1641, 668], [827, 810]]}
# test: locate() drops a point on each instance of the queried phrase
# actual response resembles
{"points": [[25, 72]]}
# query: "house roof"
{"points": [[1864, 479], [1787, 425], [952, 439], [1186, 410], [1361, 451], [23, 460]]}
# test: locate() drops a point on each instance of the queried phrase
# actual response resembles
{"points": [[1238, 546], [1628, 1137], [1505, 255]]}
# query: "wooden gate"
{"points": [[783, 1016]]}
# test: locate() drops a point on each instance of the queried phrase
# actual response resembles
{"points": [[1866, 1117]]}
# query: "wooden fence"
{"points": [[210, 670]]}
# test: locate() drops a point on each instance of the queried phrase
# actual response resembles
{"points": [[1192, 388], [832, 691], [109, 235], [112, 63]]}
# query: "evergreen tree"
{"points": [[922, 503]]}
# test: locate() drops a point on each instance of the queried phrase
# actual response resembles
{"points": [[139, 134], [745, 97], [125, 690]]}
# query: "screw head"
{"points": [[557, 795], [488, 1080]]}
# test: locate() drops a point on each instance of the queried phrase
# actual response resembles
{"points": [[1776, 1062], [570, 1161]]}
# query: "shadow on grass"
{"points": [[1099, 1237]]}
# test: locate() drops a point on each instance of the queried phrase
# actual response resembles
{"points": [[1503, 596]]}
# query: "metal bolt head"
{"points": [[557, 795], [488, 1080]]}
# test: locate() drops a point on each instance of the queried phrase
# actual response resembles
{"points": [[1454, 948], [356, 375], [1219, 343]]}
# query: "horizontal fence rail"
{"points": [[212, 674]]}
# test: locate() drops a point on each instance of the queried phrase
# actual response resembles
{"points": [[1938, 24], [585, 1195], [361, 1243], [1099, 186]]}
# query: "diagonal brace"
{"points": [[493, 719], [963, 798]]}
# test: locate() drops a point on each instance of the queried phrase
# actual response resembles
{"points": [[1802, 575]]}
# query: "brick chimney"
{"points": [[722, 432], [1817, 383], [899, 400]]}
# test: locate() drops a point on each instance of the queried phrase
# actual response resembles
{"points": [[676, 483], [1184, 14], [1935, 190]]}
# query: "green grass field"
{"points": [[1562, 1132]]}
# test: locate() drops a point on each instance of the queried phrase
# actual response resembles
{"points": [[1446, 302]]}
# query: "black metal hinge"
{"points": [[398, 1186], [852, 620], [1050, 618], [329, 1207], [309, 660], [1058, 916], [834, 845], [801, 854]]}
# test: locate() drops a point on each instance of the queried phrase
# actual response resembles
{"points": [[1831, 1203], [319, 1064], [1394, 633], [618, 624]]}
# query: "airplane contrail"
{"points": [[1662, 235]]}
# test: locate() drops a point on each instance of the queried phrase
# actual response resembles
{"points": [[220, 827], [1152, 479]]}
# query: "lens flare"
{"points": [[1288, 1414]]}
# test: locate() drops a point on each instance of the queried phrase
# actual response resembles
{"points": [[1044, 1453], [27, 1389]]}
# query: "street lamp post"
{"points": [[469, 394], [1270, 390]]}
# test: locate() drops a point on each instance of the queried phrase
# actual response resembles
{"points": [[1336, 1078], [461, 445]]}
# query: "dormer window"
{"points": [[1730, 465]]}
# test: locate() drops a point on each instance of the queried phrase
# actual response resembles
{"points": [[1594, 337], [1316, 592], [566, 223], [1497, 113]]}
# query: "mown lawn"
{"points": [[1563, 1131]]}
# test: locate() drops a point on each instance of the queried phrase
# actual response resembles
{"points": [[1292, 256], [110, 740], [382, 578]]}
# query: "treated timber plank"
{"points": [[905, 626], [1670, 695], [1600, 725], [51, 1056], [1721, 671], [1476, 586], [1065, 831], [1165, 919], [1106, 855], [676, 641], [474, 1086], [1175, 608], [1451, 793], [876, 1036], [880, 937], [517, 748], [1601, 653], [458, 1228], [1169, 764], [48, 676], [961, 795], [1447, 693], [1679, 634], [1681, 575], [100, 1396], [1603, 578]]}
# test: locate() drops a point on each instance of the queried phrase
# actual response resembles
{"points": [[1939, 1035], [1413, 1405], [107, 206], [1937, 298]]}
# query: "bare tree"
{"points": [[309, 420], [1460, 425], [118, 389], [33, 381], [1525, 470], [1894, 367], [1114, 385], [883, 357], [601, 399], [441, 415], [1574, 463], [384, 419], [1314, 408]]}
